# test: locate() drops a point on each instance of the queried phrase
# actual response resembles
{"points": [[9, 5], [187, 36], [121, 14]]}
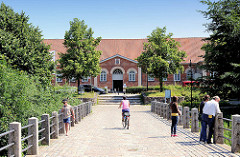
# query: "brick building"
{"points": [[119, 65]]}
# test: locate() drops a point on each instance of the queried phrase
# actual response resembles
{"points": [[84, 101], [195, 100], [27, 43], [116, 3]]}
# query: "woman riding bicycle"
{"points": [[125, 104]]}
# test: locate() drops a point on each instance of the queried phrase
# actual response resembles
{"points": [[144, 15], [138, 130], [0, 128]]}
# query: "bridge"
{"points": [[101, 134]]}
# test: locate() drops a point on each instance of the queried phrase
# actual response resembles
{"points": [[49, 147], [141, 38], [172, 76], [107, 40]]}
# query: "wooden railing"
{"points": [[190, 119], [40, 131]]}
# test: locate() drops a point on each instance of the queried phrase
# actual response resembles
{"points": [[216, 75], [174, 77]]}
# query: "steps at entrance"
{"points": [[116, 99]]}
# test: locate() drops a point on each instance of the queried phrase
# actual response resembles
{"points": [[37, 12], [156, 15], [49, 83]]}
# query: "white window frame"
{"points": [[151, 79], [132, 76], [58, 79], [177, 77], [73, 80], [85, 79], [212, 74], [117, 61], [164, 79], [103, 76], [188, 74]]}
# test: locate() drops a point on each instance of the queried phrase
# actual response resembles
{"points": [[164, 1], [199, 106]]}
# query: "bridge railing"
{"points": [[190, 119], [40, 131]]}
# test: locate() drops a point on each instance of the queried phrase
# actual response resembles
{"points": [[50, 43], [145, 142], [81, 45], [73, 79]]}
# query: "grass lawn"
{"points": [[85, 95]]}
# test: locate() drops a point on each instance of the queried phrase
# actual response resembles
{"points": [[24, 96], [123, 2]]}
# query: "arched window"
{"points": [[132, 76], [103, 76], [117, 71]]}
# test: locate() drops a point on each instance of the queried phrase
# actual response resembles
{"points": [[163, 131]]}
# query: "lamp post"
{"points": [[191, 80]]}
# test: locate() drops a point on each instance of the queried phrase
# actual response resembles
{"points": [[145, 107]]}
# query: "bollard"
{"points": [[180, 122], [15, 138], [76, 114], [33, 130], [55, 127], [61, 125], [235, 133], [157, 107], [169, 112], [165, 110], [218, 129], [82, 111], [153, 106], [186, 117], [79, 113], [161, 109], [194, 121], [46, 132]]}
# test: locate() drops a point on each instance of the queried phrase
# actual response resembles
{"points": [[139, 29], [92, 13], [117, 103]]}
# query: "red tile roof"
{"points": [[132, 48]]}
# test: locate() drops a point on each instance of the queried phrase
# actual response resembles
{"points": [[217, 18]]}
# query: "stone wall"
{"points": [[94, 100], [148, 100]]}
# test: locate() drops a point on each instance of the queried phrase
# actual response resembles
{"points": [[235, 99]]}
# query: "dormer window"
{"points": [[117, 61]]}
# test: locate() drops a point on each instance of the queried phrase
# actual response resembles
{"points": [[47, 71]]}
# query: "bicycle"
{"points": [[125, 121]]}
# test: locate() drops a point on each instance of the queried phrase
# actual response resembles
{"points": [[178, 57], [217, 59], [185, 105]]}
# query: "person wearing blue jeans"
{"points": [[207, 121], [210, 109], [205, 99], [174, 116], [174, 125]]}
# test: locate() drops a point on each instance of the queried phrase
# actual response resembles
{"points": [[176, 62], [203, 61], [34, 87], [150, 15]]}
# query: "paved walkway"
{"points": [[101, 134]]}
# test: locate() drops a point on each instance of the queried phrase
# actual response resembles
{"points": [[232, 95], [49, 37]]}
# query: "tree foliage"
{"points": [[222, 51], [161, 55], [82, 58], [23, 96], [22, 44]]}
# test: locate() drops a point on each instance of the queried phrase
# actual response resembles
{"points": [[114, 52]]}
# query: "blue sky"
{"points": [[115, 19]]}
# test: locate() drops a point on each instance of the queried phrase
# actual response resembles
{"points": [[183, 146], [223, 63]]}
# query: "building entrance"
{"points": [[118, 85], [117, 78]]}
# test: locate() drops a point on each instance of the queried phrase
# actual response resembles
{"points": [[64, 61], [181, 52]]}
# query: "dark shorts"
{"points": [[67, 120], [125, 110]]}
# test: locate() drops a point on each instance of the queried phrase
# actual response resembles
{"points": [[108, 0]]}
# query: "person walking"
{"points": [[174, 116], [210, 109], [205, 99], [67, 113]]}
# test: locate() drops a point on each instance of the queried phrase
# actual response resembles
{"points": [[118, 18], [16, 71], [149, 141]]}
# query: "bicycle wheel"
{"points": [[124, 122], [127, 122]]}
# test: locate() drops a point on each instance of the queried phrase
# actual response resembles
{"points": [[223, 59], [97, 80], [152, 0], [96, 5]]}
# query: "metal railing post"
{"points": [[33, 130], [46, 132], [235, 133], [15, 138]]}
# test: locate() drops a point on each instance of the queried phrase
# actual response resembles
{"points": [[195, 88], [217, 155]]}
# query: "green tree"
{"points": [[222, 51], [22, 44], [82, 58], [144, 62], [163, 55]]}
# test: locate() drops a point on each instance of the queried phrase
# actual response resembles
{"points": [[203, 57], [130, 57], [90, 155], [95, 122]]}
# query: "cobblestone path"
{"points": [[101, 134]]}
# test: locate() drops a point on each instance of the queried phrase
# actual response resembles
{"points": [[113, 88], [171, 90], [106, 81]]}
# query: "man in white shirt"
{"points": [[210, 109]]}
